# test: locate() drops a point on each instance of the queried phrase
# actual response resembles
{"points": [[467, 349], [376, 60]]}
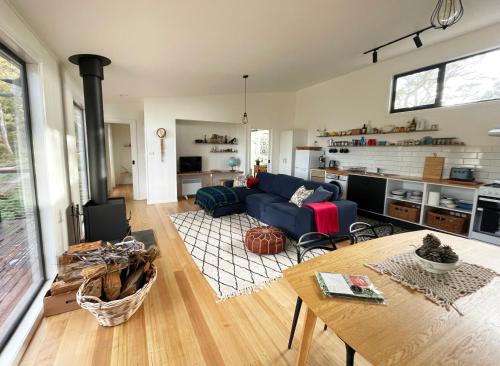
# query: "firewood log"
{"points": [[95, 270], [132, 283], [60, 287], [112, 285], [84, 247], [94, 287]]}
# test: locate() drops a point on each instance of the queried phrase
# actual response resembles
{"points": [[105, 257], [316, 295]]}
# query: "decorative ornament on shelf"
{"points": [[447, 13], [162, 134], [233, 162], [244, 120]]}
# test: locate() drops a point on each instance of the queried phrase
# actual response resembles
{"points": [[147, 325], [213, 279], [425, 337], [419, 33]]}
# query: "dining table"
{"points": [[408, 329]]}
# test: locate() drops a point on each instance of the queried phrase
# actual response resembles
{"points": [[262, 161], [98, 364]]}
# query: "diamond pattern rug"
{"points": [[217, 247]]}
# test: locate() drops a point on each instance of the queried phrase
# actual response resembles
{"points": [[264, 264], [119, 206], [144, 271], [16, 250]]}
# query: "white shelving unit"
{"points": [[457, 192]]}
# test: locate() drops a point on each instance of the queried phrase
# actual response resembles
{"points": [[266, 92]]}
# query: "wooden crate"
{"points": [[444, 220], [405, 211]]}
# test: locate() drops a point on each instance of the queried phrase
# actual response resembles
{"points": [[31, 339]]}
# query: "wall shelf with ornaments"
{"points": [[375, 134]]}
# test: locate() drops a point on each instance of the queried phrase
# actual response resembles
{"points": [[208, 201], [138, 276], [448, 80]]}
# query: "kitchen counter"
{"points": [[447, 182]]}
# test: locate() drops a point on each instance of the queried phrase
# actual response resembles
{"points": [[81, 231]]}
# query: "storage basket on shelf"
{"points": [[447, 221], [405, 211], [111, 313]]}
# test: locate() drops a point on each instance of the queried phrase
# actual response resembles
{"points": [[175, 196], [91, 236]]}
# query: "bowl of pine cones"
{"points": [[435, 257]]}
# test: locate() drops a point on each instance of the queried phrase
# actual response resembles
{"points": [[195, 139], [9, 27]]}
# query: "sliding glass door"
{"points": [[21, 269]]}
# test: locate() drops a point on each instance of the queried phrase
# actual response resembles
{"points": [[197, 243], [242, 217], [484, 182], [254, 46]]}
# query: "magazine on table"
{"points": [[349, 286]]}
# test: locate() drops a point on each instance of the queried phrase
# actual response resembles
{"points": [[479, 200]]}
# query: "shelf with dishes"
{"points": [[374, 133], [425, 141]]}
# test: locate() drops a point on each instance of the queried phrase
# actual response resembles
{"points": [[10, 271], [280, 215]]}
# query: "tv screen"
{"points": [[189, 164]]}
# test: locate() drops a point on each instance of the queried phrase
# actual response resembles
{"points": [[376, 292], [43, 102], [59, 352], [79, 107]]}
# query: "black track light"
{"points": [[417, 40], [375, 56]]}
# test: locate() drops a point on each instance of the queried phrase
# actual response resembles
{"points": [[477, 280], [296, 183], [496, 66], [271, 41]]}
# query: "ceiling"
{"points": [[200, 47]]}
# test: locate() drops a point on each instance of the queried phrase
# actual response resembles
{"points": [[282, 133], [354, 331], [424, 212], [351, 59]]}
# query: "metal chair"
{"points": [[320, 241], [361, 231]]}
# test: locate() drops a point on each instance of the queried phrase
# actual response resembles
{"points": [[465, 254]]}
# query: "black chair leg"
{"points": [[349, 355], [298, 305], [325, 327]]}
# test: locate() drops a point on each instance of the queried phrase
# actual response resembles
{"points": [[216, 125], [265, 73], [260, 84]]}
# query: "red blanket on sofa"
{"points": [[326, 216]]}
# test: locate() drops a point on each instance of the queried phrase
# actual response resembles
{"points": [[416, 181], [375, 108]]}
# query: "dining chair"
{"points": [[308, 242], [362, 231]]}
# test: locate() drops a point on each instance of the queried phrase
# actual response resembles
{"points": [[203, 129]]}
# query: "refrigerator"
{"points": [[304, 161]]}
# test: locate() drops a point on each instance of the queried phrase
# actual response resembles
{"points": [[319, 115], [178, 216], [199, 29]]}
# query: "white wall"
{"points": [[349, 101], [188, 131], [265, 110], [122, 154], [126, 112]]}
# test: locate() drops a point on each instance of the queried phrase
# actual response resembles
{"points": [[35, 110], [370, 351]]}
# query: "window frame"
{"points": [[36, 208], [87, 181], [441, 66]]}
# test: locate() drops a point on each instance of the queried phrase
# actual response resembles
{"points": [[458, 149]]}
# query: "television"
{"points": [[189, 164]]}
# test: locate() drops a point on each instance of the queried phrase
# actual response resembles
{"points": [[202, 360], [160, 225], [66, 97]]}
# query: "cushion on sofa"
{"points": [[285, 185], [300, 196], [329, 187], [257, 203], [320, 195], [266, 181]]}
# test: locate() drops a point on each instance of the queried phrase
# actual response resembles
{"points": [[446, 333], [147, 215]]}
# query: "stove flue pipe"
{"points": [[91, 71]]}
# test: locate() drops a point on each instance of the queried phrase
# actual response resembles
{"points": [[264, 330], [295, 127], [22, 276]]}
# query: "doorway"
{"points": [[119, 155], [260, 150]]}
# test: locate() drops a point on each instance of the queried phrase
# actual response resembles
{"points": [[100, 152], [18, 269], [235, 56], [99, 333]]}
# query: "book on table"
{"points": [[348, 286]]}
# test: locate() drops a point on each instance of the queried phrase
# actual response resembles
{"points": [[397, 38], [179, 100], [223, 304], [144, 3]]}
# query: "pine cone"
{"points": [[434, 255], [431, 241], [448, 255]]}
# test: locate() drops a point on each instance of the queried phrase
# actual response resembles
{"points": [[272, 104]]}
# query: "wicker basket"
{"points": [[442, 220], [114, 312], [405, 211]]}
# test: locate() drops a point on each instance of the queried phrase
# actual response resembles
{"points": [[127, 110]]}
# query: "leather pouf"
{"points": [[265, 240]]}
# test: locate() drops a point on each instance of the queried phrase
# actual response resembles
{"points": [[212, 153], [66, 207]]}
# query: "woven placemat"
{"points": [[443, 289]]}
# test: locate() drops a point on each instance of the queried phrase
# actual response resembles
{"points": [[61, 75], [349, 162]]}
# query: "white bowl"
{"points": [[435, 267]]}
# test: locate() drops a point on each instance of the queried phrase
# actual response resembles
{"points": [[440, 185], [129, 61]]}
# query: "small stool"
{"points": [[265, 240]]}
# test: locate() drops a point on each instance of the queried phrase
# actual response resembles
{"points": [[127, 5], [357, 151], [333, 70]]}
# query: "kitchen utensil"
{"points": [[433, 168], [398, 192], [433, 199]]}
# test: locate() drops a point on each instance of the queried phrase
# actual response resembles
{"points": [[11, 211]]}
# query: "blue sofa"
{"points": [[269, 202]]}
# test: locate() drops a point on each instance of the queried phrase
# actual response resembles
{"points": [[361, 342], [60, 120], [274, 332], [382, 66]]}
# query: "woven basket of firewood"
{"points": [[115, 295]]}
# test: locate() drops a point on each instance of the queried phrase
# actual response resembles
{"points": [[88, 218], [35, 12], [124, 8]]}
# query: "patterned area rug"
{"points": [[217, 247]]}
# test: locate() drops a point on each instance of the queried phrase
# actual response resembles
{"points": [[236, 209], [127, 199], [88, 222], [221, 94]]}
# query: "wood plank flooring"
{"points": [[180, 322]]}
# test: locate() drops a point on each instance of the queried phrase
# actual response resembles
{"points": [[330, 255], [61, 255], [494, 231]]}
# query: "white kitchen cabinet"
{"points": [[289, 140]]}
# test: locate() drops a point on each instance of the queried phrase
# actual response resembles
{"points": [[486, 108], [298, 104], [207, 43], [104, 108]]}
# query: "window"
{"points": [[81, 151], [467, 80], [21, 265]]}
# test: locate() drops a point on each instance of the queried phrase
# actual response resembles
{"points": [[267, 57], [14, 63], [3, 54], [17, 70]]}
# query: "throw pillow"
{"points": [[252, 182], [240, 181], [300, 195], [319, 195]]}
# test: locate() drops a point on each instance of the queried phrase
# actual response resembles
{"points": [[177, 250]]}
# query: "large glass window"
{"points": [[21, 269], [81, 151], [467, 80]]}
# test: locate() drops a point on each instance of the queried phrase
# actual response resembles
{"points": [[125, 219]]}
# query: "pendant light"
{"points": [[244, 120], [495, 132], [447, 13]]}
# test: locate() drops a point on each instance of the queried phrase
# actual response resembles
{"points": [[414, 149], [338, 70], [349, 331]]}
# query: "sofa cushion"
{"points": [[283, 213], [329, 187], [319, 195], [266, 181], [300, 196], [286, 185], [257, 203]]}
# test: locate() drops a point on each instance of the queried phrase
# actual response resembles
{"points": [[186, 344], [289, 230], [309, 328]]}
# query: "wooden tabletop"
{"points": [[409, 329]]}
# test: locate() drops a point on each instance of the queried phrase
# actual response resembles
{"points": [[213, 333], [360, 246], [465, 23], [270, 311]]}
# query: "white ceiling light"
{"points": [[495, 132]]}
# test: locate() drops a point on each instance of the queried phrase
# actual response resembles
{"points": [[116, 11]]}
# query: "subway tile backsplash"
{"points": [[410, 160]]}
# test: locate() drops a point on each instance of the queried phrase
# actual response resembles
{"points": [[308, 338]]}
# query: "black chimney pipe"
{"points": [[91, 71]]}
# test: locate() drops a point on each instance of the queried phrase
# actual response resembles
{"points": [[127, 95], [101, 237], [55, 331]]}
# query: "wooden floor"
{"points": [[180, 322]]}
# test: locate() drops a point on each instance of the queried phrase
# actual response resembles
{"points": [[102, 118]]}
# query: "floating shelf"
{"points": [[378, 133], [351, 145], [214, 143], [218, 152]]}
